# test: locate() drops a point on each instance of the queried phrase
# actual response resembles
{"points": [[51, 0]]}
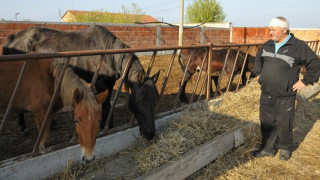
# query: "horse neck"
{"points": [[134, 70], [70, 82]]}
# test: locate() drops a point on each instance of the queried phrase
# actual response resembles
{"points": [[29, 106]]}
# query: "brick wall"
{"points": [[261, 34], [136, 36], [139, 36]]}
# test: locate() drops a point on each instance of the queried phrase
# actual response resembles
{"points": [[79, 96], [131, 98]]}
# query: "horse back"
{"points": [[36, 87]]}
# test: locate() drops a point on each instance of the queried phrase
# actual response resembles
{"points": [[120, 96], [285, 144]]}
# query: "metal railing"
{"points": [[314, 45]]}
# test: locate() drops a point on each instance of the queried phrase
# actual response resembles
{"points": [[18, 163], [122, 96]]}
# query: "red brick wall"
{"points": [[136, 36], [261, 34]]}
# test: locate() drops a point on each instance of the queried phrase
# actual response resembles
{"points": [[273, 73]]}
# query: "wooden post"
{"points": [[209, 72]]}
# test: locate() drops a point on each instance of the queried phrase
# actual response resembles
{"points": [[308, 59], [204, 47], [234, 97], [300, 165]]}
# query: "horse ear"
{"points": [[141, 76], [101, 97], [77, 96], [155, 77]]}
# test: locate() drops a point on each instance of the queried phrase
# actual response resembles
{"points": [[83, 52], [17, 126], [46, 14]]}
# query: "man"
{"points": [[277, 68]]}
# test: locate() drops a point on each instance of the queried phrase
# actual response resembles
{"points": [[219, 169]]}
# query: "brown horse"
{"points": [[36, 92], [218, 58]]}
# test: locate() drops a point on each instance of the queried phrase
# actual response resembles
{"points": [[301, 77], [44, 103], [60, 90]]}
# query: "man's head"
{"points": [[279, 29]]}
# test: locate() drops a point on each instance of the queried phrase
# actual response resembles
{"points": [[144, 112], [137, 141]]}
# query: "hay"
{"points": [[196, 125]]}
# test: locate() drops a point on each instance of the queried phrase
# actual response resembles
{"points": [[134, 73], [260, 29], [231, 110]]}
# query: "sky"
{"points": [[241, 13]]}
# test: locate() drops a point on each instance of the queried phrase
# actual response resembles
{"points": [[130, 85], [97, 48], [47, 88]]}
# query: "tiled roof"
{"points": [[146, 18]]}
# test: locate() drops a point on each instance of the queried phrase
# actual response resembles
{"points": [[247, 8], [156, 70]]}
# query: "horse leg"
{"points": [[215, 80], [244, 79], [21, 122], [183, 97], [39, 118]]}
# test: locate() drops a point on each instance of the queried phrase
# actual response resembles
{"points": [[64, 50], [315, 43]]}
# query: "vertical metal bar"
{"points": [[182, 80], [54, 97], [124, 74], [167, 75], [232, 73], [198, 78], [151, 62], [208, 92], [203, 85], [13, 96], [221, 74], [242, 69], [249, 75], [95, 76]]}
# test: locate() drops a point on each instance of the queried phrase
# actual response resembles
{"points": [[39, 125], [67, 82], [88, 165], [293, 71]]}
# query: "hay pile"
{"points": [[304, 164]]}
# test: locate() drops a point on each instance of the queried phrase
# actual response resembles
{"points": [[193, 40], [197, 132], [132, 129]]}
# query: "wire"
{"points": [[169, 24]]}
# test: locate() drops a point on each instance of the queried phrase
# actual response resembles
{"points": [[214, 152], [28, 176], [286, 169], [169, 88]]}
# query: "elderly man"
{"points": [[277, 68]]}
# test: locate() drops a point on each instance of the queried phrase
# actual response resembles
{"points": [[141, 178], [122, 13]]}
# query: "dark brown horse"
{"points": [[144, 94], [218, 58], [36, 92]]}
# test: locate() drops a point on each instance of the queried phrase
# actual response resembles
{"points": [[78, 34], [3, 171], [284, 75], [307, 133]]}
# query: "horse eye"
{"points": [[76, 121]]}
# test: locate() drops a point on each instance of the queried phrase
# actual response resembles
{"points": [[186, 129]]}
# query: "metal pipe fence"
{"points": [[206, 84]]}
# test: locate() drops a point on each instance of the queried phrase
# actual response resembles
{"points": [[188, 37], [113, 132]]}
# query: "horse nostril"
{"points": [[85, 159]]}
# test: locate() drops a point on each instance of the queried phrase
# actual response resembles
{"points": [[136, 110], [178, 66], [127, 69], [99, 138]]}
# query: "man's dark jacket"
{"points": [[279, 72]]}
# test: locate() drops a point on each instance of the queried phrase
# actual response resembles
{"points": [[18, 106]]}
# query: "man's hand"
{"points": [[298, 85], [257, 78]]}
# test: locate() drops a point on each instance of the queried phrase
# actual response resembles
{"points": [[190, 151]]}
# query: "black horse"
{"points": [[144, 94]]}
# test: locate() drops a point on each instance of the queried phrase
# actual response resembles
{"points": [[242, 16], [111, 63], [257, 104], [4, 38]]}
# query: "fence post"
{"points": [[209, 72], [158, 35]]}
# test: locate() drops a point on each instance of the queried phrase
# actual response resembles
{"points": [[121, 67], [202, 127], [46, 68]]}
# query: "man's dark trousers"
{"points": [[276, 119]]}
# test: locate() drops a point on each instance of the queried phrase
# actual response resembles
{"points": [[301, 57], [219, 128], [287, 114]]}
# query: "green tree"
{"points": [[127, 15], [205, 11]]}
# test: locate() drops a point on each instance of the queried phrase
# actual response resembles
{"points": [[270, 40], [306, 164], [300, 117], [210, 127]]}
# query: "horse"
{"points": [[218, 58], [144, 96], [36, 91]]}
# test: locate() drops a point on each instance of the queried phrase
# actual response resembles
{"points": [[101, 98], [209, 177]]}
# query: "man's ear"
{"points": [[77, 96]]}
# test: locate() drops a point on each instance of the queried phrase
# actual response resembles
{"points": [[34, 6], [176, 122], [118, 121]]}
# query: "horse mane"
{"points": [[70, 82], [108, 41]]}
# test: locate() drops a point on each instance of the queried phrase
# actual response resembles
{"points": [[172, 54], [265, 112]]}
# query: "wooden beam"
{"points": [[184, 166]]}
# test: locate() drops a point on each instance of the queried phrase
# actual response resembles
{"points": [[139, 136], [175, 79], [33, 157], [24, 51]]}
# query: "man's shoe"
{"points": [[263, 153], [285, 155]]}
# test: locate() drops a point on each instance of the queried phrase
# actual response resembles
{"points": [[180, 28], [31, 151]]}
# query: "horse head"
{"points": [[87, 117], [142, 102]]}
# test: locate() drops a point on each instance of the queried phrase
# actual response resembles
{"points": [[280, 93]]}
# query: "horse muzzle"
{"points": [[198, 69], [87, 160], [87, 157], [148, 134]]}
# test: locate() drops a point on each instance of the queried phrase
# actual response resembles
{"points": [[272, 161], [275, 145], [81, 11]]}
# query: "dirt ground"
{"points": [[14, 143]]}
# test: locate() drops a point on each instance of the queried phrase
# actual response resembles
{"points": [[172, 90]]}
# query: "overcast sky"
{"points": [[250, 13]]}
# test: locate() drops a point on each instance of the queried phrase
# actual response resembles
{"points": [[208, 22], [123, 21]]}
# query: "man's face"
{"points": [[278, 34]]}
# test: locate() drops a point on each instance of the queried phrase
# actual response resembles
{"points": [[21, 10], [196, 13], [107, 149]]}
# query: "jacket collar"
{"points": [[290, 41]]}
